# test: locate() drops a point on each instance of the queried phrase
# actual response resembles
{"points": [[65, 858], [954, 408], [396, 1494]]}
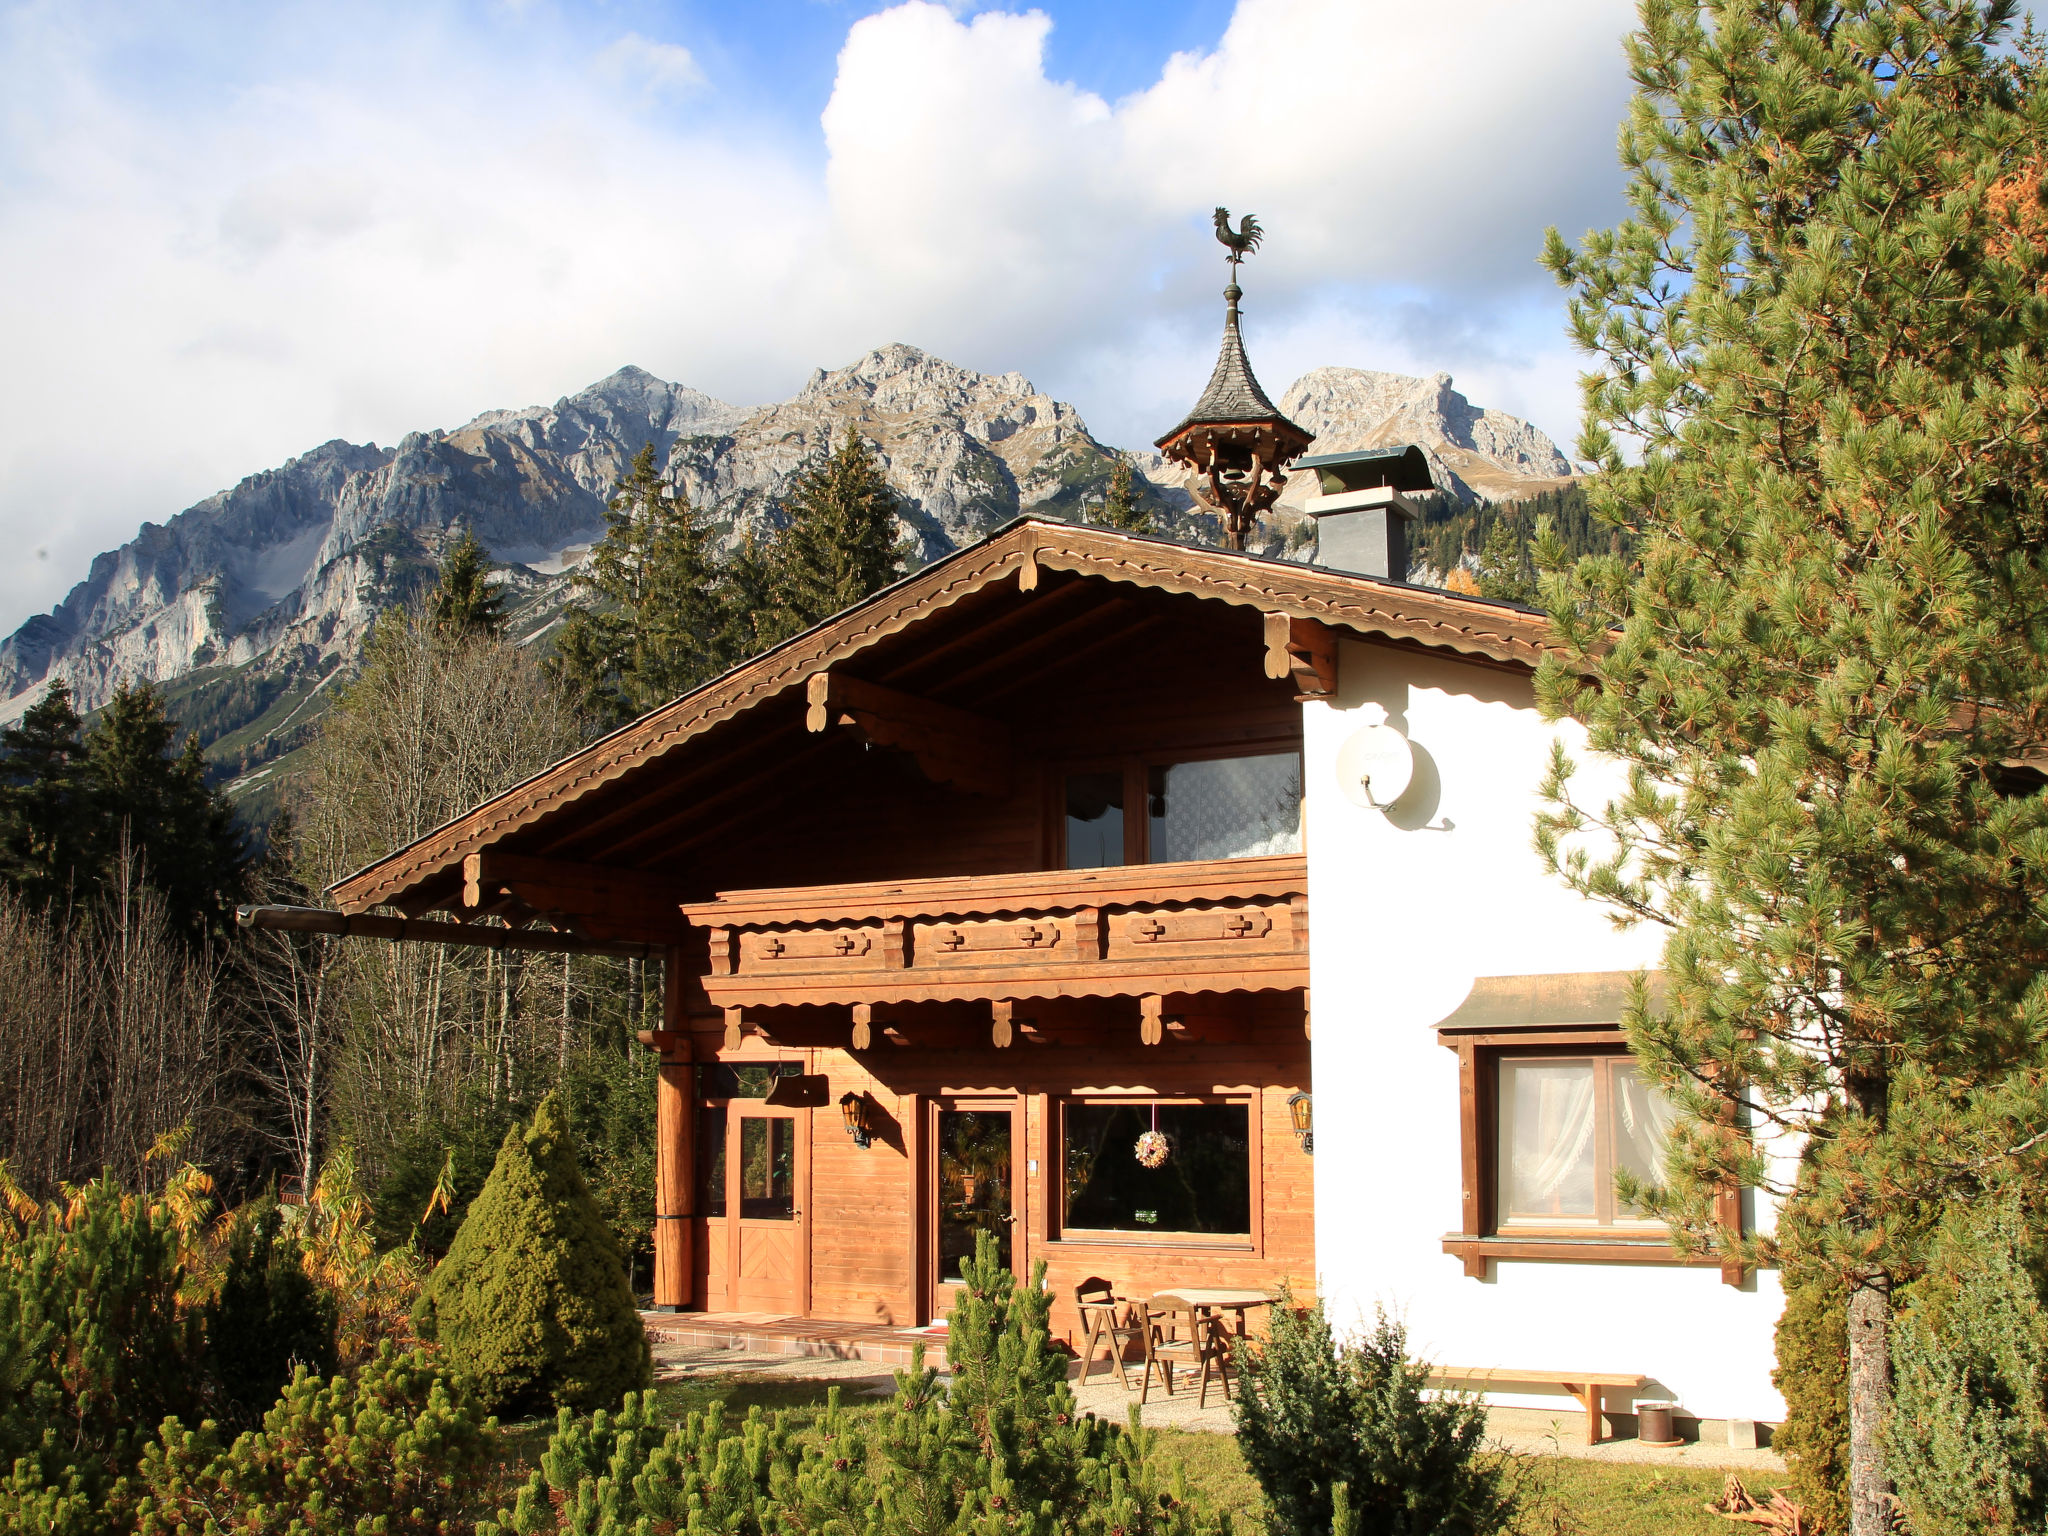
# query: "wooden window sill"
{"points": [[1604, 1249], [1205, 1241]]}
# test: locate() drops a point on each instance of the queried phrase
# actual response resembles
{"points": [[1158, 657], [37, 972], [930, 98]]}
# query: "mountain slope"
{"points": [[250, 605]]}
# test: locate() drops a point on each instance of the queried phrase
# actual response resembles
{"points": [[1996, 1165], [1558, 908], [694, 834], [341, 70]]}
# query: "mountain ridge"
{"points": [[247, 604]]}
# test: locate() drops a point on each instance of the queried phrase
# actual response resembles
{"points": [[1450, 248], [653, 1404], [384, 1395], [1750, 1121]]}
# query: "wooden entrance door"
{"points": [[974, 1187], [752, 1163]]}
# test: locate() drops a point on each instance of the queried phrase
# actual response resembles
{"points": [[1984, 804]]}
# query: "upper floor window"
{"points": [[1204, 808]]}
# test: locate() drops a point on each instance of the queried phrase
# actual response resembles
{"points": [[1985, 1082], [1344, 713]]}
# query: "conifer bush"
{"points": [[1316, 1414], [93, 1344], [268, 1317], [1004, 1452], [1812, 1376], [399, 1450], [531, 1305], [1967, 1440]]}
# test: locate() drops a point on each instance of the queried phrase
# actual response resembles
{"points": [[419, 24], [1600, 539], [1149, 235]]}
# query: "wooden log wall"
{"points": [[869, 1214]]}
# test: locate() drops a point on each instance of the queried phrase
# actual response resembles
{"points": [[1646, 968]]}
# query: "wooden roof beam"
{"points": [[630, 817], [1085, 655], [1305, 651], [591, 898], [951, 745], [742, 791], [1023, 660], [1029, 616]]}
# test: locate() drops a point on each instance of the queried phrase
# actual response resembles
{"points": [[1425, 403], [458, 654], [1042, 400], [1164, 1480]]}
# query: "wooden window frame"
{"points": [[1480, 1238], [1057, 1230], [1135, 767]]}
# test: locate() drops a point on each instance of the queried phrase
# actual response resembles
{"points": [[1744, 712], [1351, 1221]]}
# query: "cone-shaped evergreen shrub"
{"points": [[531, 1305]]}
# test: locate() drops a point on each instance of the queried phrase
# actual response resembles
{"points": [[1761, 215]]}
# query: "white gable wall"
{"points": [[1405, 910]]}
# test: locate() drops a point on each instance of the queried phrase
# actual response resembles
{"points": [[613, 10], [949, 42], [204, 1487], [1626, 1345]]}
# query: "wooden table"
{"points": [[1200, 1300]]}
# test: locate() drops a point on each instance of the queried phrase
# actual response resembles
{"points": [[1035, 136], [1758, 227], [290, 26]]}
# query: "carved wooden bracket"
{"points": [[605, 903], [951, 745], [735, 1029], [1303, 650], [863, 1025]]}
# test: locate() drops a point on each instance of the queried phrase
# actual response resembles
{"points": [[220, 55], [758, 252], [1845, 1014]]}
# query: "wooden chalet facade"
{"points": [[1062, 841], [854, 852]]}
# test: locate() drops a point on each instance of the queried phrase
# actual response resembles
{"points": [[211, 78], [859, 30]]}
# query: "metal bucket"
{"points": [[1653, 1425]]}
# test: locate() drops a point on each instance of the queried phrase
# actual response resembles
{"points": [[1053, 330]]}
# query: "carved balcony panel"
{"points": [[1235, 925]]}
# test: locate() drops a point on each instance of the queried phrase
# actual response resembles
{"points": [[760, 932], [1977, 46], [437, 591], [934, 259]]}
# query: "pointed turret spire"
{"points": [[1235, 436]]}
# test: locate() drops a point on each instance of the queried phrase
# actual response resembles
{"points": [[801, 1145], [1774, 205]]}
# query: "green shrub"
{"points": [[1967, 1438], [398, 1450], [532, 1304], [93, 1344], [1315, 1413], [1004, 1453], [267, 1318], [1812, 1376]]}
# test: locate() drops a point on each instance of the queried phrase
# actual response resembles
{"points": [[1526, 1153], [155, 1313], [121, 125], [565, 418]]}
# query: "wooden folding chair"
{"points": [[1177, 1334], [1106, 1318]]}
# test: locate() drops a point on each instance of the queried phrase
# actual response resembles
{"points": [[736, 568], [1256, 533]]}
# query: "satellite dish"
{"points": [[1375, 765]]}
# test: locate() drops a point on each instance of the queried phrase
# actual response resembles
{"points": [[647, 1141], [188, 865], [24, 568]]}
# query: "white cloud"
{"points": [[396, 224], [657, 68]]}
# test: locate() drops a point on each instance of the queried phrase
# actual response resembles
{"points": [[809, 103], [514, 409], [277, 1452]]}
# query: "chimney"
{"points": [[1362, 517]]}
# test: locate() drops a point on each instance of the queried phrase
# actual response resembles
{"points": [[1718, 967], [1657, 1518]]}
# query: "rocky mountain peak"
{"points": [[1476, 454]]}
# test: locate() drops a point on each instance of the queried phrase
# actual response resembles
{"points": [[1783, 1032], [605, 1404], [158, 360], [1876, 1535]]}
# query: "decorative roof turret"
{"points": [[1235, 436]]}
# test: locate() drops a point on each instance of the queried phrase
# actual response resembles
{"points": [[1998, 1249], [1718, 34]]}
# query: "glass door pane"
{"points": [[974, 1185], [711, 1161], [768, 1168]]}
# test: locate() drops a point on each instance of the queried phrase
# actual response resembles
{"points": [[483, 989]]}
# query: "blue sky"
{"points": [[231, 232]]}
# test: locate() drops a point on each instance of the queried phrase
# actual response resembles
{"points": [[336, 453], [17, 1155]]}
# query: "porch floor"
{"points": [[772, 1333]]}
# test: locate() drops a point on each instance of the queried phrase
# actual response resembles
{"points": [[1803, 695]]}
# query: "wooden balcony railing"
{"points": [[1223, 925]]}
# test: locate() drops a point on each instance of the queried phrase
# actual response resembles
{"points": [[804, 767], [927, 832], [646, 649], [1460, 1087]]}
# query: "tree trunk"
{"points": [[1870, 1396]]}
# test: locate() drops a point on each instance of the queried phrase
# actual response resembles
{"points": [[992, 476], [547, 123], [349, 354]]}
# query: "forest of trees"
{"points": [[137, 1010]]}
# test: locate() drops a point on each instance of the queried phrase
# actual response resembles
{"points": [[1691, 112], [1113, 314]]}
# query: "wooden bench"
{"points": [[1585, 1386]]}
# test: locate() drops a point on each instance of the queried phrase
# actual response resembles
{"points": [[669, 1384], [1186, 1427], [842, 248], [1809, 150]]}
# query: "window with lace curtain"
{"points": [[1563, 1126], [1221, 806]]}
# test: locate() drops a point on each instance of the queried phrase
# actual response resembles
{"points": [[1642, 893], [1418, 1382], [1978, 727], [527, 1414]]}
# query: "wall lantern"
{"points": [[1301, 1114], [860, 1125]]}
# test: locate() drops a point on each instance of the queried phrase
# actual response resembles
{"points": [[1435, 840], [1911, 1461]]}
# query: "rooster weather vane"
{"points": [[1235, 439], [1242, 241]]}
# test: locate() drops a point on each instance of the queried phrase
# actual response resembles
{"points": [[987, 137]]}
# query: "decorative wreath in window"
{"points": [[1153, 1149]]}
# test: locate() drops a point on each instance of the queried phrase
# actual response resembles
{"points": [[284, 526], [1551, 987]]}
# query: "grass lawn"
{"points": [[1565, 1497]]}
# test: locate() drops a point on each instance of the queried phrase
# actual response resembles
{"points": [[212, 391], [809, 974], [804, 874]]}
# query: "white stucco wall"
{"points": [[1405, 911]]}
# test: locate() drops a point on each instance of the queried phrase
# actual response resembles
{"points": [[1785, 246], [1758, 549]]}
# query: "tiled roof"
{"points": [[1233, 394]]}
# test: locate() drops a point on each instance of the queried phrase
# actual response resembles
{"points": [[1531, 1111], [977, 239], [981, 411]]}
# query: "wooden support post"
{"points": [[675, 1142], [863, 1025], [735, 1029]]}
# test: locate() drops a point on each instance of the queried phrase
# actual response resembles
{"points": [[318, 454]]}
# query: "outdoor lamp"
{"points": [[1301, 1114], [853, 1109]]}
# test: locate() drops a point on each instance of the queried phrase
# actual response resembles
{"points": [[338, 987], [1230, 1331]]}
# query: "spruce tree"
{"points": [[152, 803], [1505, 571], [1120, 509], [466, 601], [650, 625], [839, 544], [531, 1304], [46, 811], [1823, 329]]}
